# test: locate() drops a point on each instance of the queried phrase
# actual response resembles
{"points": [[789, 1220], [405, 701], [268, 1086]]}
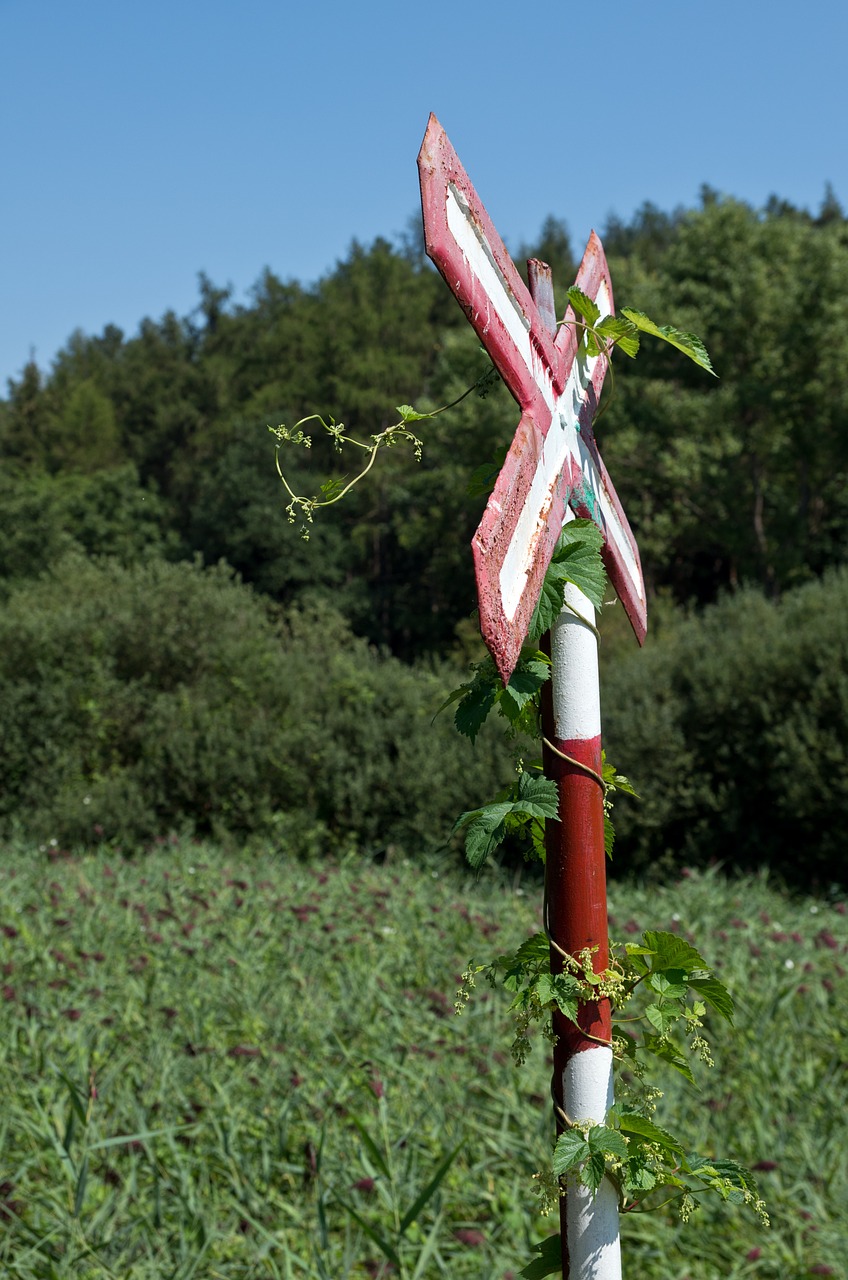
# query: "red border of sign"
{"points": [[439, 169]]}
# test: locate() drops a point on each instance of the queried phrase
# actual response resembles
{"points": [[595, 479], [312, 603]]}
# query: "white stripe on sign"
{"points": [[561, 442], [612, 528], [481, 260]]}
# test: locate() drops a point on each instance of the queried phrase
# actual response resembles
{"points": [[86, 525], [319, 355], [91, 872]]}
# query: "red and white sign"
{"points": [[553, 461]]}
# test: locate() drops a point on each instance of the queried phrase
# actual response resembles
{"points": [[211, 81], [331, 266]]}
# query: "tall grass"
{"points": [[251, 1068]]}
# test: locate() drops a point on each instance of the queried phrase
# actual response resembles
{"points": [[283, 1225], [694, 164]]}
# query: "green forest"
{"points": [[176, 659]]}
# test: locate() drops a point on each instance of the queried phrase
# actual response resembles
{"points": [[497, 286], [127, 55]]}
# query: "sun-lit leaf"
{"points": [[606, 1140], [716, 995], [406, 413], [622, 331], [570, 1149], [642, 1130], [689, 343], [582, 305], [673, 952]]}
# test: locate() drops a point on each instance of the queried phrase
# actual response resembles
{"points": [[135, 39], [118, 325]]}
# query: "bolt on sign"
{"points": [[553, 462]]}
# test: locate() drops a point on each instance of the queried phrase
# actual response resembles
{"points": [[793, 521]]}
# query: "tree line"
{"points": [[153, 447]]}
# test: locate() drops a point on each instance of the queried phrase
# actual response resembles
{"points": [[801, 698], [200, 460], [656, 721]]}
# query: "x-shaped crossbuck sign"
{"points": [[553, 461]]}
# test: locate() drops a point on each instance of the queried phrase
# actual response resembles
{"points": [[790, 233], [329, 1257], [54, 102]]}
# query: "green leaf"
{"points": [[716, 994], [570, 1149], [477, 701], [661, 1017], [641, 1130], [533, 950], [408, 414], [482, 479], [549, 1262], [592, 1174], [668, 1052], [623, 332], [670, 983], [548, 606], [689, 343], [583, 305], [609, 835], [602, 1138], [524, 683], [483, 837], [537, 796], [672, 952], [577, 559], [640, 1176]]}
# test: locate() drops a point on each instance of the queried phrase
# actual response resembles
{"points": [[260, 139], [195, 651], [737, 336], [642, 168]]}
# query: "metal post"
{"points": [[576, 901]]}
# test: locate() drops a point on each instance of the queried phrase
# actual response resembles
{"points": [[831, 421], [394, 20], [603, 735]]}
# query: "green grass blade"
{"points": [[382, 1244], [429, 1191]]}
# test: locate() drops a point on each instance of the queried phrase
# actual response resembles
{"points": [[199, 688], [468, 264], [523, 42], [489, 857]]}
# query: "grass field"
{"points": [[224, 1067]]}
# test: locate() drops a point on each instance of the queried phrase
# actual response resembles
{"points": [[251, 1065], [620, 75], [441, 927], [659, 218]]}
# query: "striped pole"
{"points": [[576, 899]]}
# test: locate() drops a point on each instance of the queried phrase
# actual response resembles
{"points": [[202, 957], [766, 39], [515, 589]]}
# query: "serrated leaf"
{"points": [[532, 950], [661, 1018], [716, 995], [570, 1149], [602, 1138], [689, 343], [609, 835], [408, 414], [592, 1174], [672, 952], [622, 331], [583, 305], [548, 606], [670, 983], [549, 1262], [668, 1052], [524, 683], [640, 1176], [642, 1130], [475, 705], [577, 559], [566, 993], [332, 488], [537, 796], [634, 949], [482, 838]]}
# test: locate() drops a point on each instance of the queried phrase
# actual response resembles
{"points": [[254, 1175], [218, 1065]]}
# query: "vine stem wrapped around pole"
{"points": [[575, 892]]}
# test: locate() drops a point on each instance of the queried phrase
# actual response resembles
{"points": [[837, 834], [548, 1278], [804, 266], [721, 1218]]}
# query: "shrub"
{"points": [[141, 699], [734, 728]]}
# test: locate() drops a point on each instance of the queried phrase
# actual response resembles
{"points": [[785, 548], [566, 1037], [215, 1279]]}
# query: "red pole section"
{"points": [[576, 902]]}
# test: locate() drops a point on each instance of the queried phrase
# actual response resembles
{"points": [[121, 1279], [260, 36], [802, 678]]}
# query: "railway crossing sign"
{"points": [[553, 461]]}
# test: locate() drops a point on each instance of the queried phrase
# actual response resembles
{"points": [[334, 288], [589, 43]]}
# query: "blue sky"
{"points": [[143, 143]]}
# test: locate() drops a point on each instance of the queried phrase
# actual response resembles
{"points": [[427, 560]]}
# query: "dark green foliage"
{"points": [[735, 728], [109, 513], [162, 696], [156, 444]]}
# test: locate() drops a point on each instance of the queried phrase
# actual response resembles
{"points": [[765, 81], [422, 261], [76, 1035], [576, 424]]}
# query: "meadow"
{"points": [[239, 1066]]}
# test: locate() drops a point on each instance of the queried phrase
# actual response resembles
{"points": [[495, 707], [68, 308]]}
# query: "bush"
{"points": [[155, 697], [734, 728]]}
